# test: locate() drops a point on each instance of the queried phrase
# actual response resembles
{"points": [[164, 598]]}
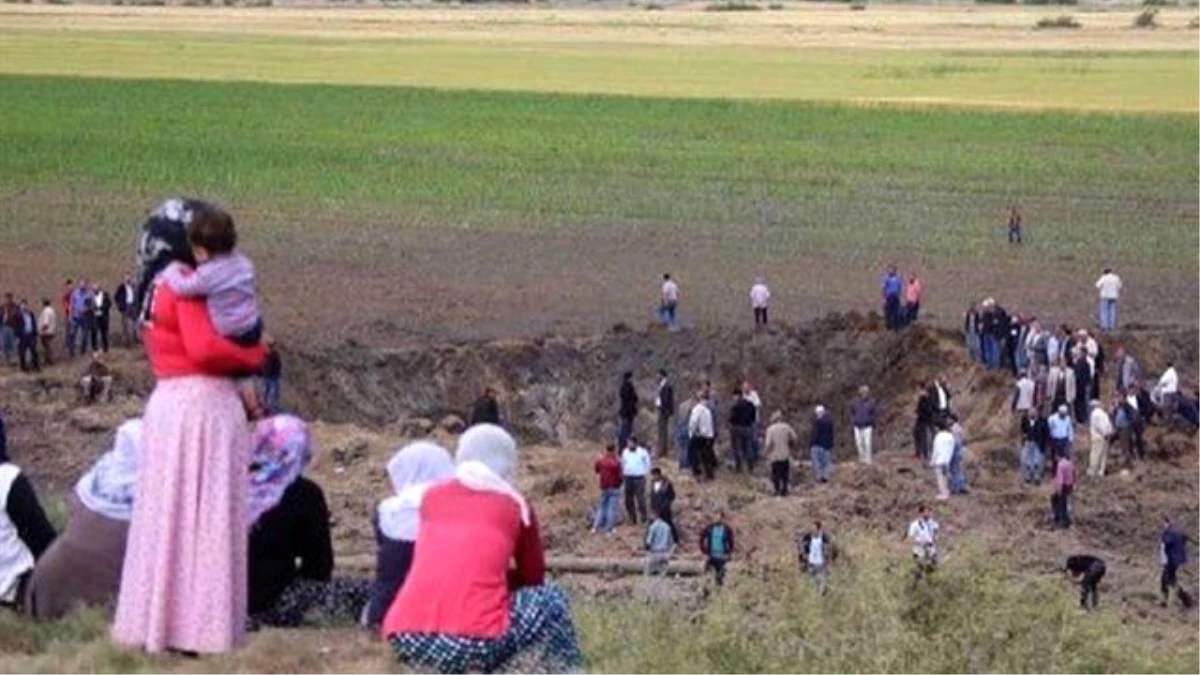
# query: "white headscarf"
{"points": [[487, 462], [413, 470], [107, 488]]}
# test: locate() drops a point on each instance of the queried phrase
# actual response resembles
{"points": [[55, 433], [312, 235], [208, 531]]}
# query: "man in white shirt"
{"points": [[700, 438], [635, 465], [669, 301], [923, 535], [1023, 397], [1109, 285], [1167, 392], [760, 298], [943, 453], [47, 327], [816, 550]]}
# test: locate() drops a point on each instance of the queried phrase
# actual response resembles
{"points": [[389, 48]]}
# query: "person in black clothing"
{"points": [[741, 430], [1087, 571], [33, 529], [485, 409], [662, 499], [123, 300], [27, 338], [628, 410], [1083, 385], [1035, 437], [101, 311], [666, 409], [1014, 226], [1005, 338], [971, 323], [290, 552], [923, 426]]}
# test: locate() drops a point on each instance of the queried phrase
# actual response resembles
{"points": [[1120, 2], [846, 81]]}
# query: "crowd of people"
{"points": [[200, 525], [28, 336]]}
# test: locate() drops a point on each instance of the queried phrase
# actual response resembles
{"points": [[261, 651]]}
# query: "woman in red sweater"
{"points": [[183, 583], [462, 609]]}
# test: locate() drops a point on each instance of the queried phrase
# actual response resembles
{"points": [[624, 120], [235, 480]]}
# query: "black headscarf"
{"points": [[163, 241]]}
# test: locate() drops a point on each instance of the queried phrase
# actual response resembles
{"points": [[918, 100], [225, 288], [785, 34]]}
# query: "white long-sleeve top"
{"points": [[700, 422], [1169, 382], [1109, 286], [760, 296]]}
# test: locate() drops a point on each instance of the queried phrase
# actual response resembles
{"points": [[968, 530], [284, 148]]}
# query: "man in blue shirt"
{"points": [[892, 286], [1062, 434], [82, 318]]}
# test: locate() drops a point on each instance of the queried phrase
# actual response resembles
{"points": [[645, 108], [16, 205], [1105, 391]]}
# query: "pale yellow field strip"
{"points": [[799, 25]]}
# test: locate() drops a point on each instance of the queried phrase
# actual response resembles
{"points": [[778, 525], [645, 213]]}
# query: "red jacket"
{"points": [[459, 582], [609, 469], [180, 340]]}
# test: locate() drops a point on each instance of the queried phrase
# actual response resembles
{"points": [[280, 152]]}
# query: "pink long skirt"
{"points": [[183, 584]]}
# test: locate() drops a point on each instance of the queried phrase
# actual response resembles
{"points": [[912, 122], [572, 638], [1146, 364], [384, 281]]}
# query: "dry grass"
{"points": [[972, 28]]}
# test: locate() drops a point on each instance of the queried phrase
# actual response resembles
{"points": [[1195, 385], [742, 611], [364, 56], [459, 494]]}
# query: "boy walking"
{"points": [[660, 544], [816, 549]]}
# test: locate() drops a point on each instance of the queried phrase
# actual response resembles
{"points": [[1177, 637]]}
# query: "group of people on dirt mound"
{"points": [[201, 526]]}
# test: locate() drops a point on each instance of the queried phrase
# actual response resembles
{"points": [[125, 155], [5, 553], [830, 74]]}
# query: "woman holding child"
{"points": [[184, 580]]}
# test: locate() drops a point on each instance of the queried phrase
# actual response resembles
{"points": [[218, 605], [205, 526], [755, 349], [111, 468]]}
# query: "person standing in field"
{"points": [[756, 430], [68, 320], [781, 441], [184, 580], [1064, 487], [972, 333], [958, 475], [1173, 556], [863, 412], [1109, 285], [1014, 226], [892, 286], [660, 545], [683, 416], [1062, 434], [912, 299], [27, 338], [485, 409], [760, 299], [47, 327], [665, 403], [1102, 431], [272, 374], [1126, 370], [10, 326], [741, 430], [662, 500], [701, 437], [1035, 434], [943, 454], [669, 302], [123, 301], [816, 550], [635, 466], [1023, 395], [922, 532], [717, 545], [1167, 392], [821, 443], [923, 424], [1087, 571], [628, 410], [609, 472], [101, 313]]}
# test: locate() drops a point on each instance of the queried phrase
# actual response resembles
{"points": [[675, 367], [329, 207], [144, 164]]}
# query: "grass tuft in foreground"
{"points": [[972, 616]]}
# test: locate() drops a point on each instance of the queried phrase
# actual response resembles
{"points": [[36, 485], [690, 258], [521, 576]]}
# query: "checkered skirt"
{"points": [[540, 629]]}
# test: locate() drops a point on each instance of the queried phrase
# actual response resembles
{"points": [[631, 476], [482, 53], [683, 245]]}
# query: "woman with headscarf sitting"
{"points": [[25, 533], [461, 609], [83, 566], [291, 555], [412, 471]]}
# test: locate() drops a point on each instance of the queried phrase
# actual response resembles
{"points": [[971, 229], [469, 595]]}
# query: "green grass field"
{"points": [[821, 175]]}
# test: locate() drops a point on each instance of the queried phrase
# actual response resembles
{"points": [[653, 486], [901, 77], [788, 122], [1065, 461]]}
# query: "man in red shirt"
{"points": [[608, 468]]}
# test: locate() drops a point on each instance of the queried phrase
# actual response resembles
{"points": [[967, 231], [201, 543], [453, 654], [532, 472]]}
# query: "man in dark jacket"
{"points": [[101, 311], [662, 499], [821, 442], [123, 301], [27, 338], [1174, 556], [716, 543], [1083, 386], [1035, 437], [485, 409], [10, 326], [666, 408], [741, 430], [628, 410], [923, 426]]}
